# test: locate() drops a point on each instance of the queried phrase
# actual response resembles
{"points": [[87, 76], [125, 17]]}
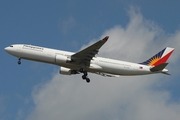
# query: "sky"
{"points": [[137, 30]]}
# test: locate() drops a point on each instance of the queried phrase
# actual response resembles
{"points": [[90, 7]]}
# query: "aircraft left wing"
{"points": [[107, 75], [85, 56]]}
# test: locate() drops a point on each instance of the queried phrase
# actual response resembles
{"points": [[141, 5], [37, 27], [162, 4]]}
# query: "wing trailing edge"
{"points": [[107, 75]]}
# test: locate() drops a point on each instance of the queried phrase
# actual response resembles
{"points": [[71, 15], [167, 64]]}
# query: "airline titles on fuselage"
{"points": [[33, 47]]}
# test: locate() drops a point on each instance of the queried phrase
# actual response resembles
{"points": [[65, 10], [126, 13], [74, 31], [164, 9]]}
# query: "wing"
{"points": [[85, 56], [107, 75]]}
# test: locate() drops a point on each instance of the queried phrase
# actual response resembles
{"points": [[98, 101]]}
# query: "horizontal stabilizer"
{"points": [[159, 67], [166, 73]]}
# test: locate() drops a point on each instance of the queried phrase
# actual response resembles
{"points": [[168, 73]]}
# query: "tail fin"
{"points": [[160, 57]]}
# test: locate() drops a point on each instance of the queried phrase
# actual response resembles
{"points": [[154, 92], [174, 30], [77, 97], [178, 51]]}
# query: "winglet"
{"points": [[106, 38]]}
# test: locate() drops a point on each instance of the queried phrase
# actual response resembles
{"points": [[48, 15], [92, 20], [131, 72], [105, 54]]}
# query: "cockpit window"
{"points": [[11, 46]]}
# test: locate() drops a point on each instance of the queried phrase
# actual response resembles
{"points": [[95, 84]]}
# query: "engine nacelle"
{"points": [[67, 71], [62, 59]]}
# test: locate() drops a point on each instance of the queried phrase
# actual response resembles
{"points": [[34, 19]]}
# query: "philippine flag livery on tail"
{"points": [[160, 57]]}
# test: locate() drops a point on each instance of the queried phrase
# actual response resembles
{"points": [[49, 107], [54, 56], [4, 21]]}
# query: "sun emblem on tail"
{"points": [[153, 61]]}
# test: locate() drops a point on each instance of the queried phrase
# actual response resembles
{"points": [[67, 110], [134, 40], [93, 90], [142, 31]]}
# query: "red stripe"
{"points": [[164, 59]]}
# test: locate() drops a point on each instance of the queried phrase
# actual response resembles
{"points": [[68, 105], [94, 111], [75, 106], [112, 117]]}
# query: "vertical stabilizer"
{"points": [[160, 57]]}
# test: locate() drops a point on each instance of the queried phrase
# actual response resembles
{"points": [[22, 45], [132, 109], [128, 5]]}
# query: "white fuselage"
{"points": [[58, 57]]}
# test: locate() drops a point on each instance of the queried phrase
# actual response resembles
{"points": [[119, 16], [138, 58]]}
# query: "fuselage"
{"points": [[62, 58]]}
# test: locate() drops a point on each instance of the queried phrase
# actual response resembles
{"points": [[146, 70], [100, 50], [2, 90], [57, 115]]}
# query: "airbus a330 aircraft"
{"points": [[85, 60]]}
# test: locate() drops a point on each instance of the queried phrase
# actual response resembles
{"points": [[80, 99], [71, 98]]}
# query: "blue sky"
{"points": [[69, 25]]}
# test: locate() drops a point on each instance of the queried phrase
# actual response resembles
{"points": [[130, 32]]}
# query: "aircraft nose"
{"points": [[6, 49]]}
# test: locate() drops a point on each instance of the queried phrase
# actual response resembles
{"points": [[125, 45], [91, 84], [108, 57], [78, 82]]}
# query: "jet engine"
{"points": [[67, 71], [62, 59]]}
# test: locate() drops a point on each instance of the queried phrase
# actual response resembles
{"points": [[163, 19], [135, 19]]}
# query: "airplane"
{"points": [[86, 60]]}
